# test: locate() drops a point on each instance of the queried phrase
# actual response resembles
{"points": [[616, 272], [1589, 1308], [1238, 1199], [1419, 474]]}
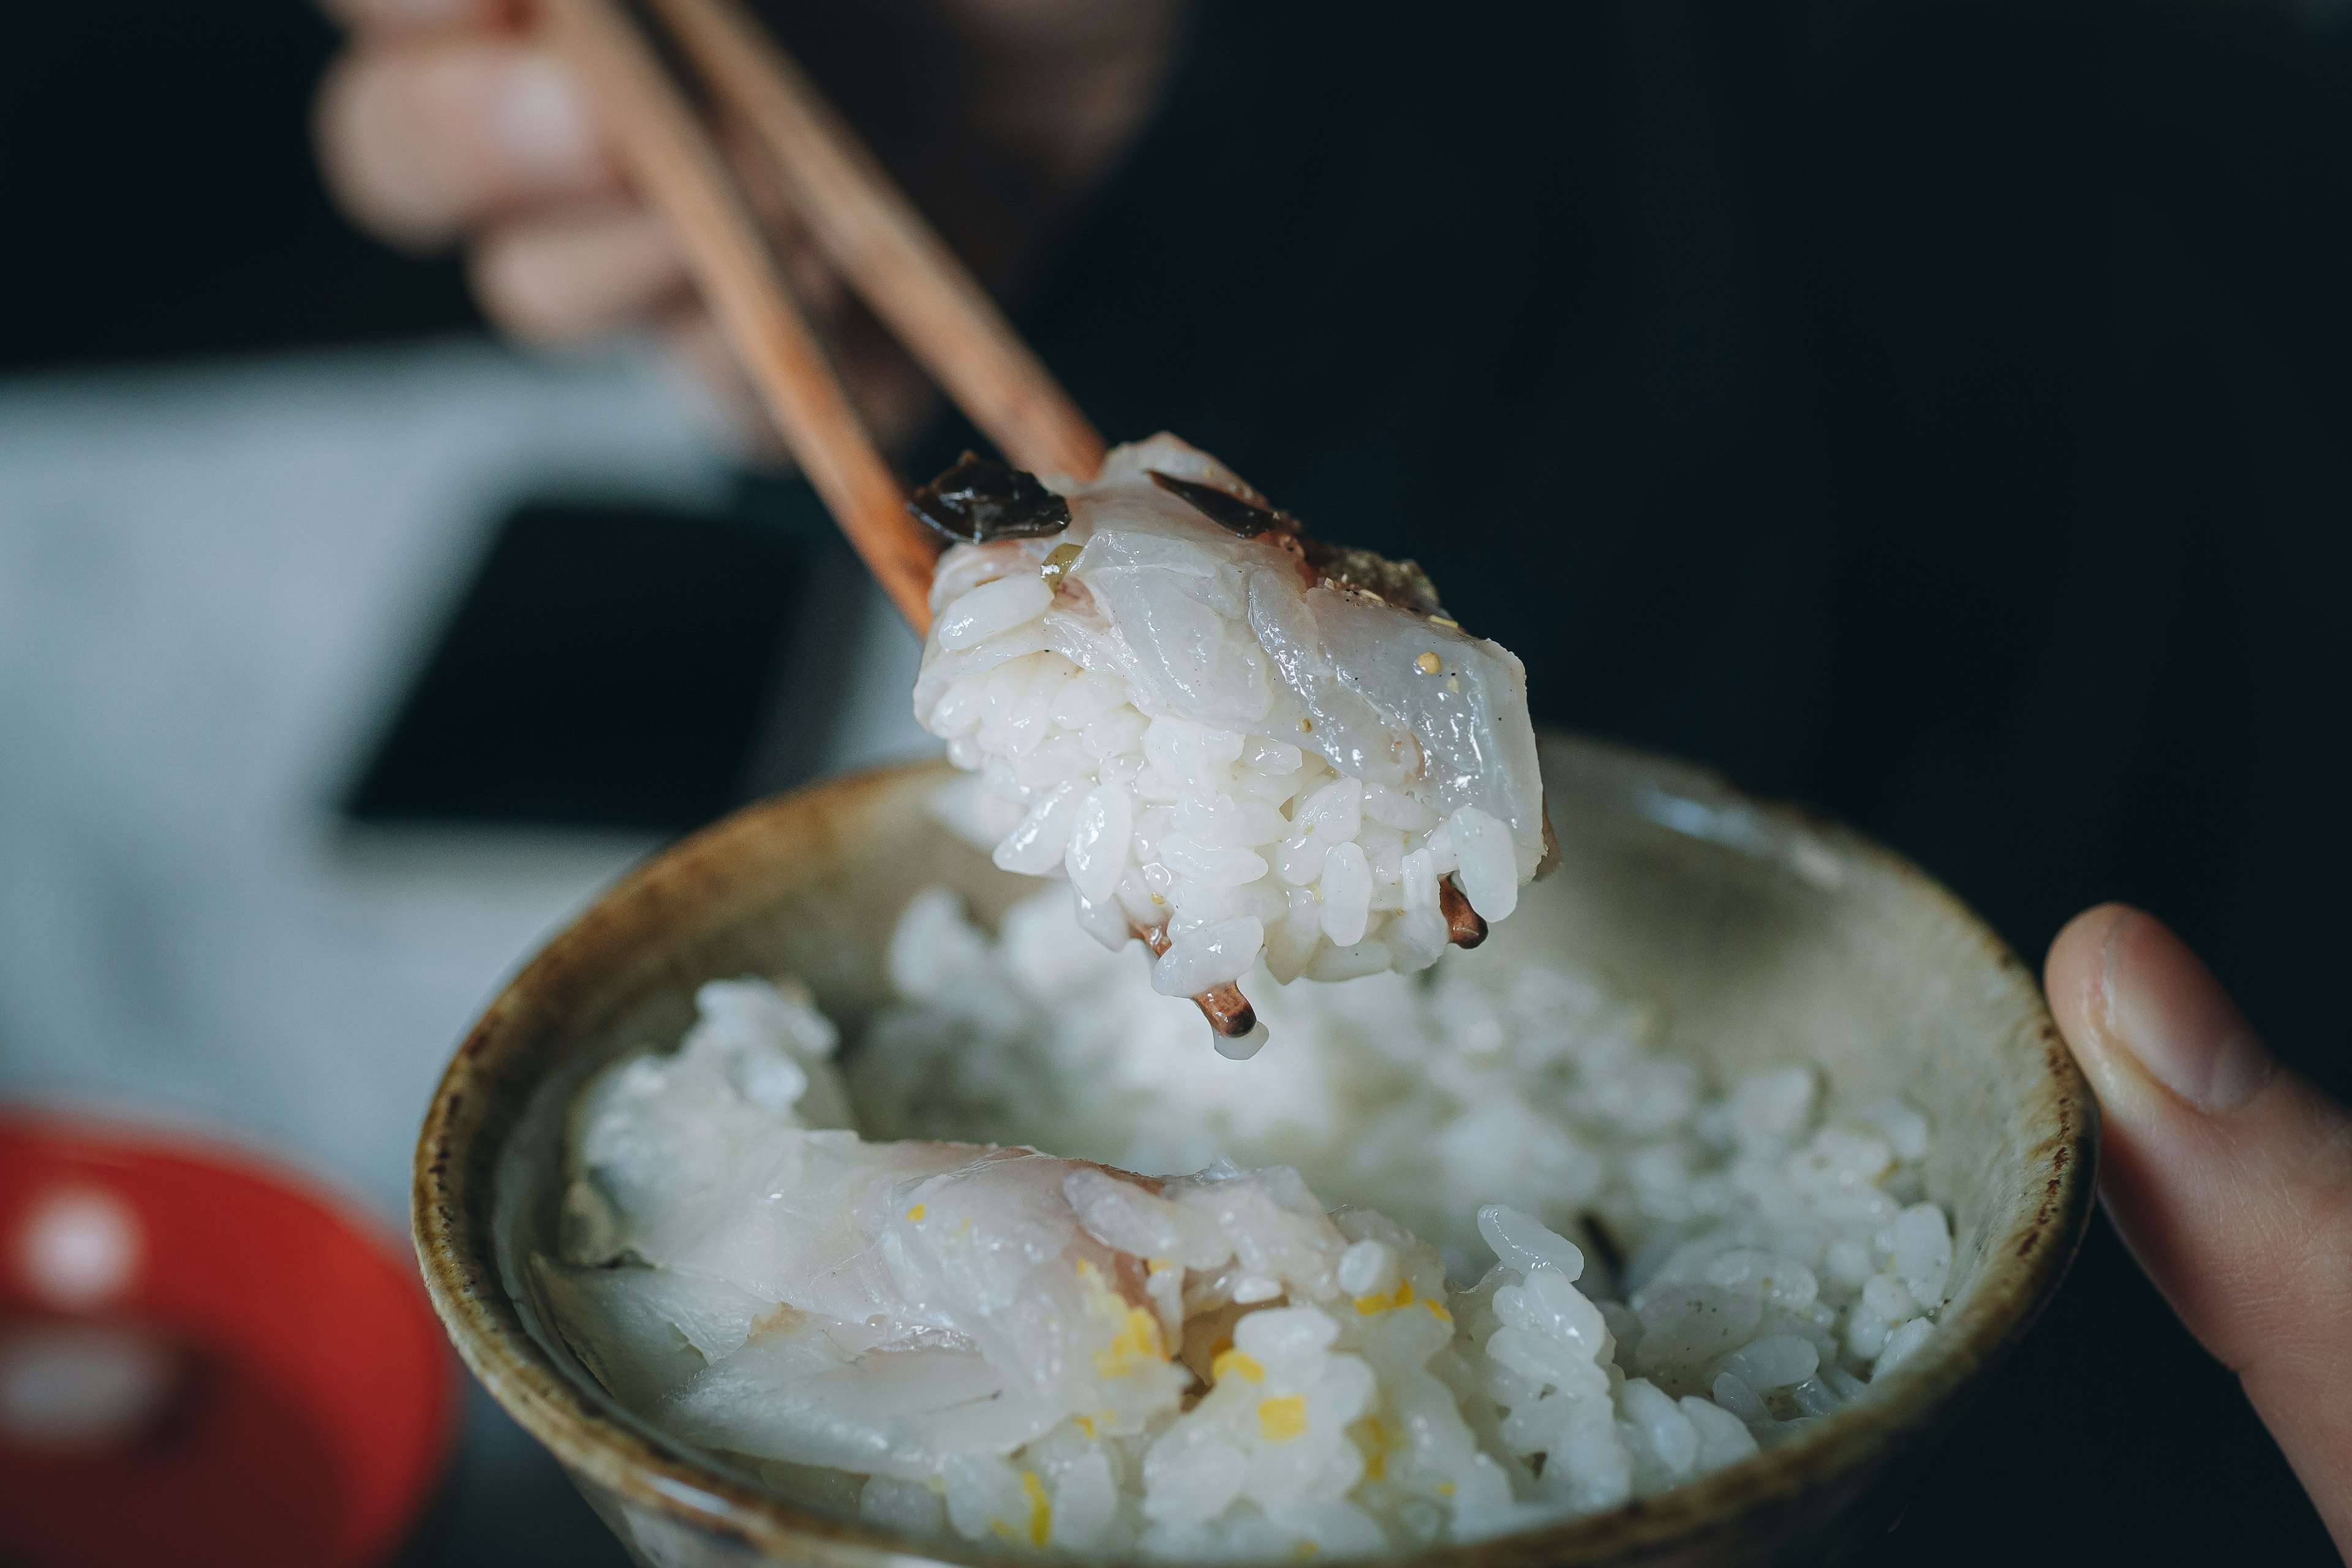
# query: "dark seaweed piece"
{"points": [[1224, 508], [1401, 583], [977, 501]]}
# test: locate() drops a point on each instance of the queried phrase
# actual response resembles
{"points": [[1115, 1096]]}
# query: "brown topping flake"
{"points": [[1463, 925], [1224, 508], [978, 501], [1228, 1011], [1402, 583]]}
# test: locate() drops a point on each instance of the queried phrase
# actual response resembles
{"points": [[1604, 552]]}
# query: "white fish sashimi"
{"points": [[1220, 684], [826, 1392], [644, 1332], [733, 1233]]}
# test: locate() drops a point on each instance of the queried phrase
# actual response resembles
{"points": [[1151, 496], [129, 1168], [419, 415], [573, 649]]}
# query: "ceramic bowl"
{"points": [[260, 1380], [1770, 936]]}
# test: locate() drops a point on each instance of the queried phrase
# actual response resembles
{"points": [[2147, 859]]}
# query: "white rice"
{"points": [[1175, 720], [1004, 1346]]}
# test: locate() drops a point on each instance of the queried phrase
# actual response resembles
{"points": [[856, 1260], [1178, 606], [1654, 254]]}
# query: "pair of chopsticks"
{"points": [[863, 222], [881, 245]]}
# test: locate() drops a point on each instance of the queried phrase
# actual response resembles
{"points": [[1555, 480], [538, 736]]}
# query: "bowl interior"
{"points": [[1767, 937]]}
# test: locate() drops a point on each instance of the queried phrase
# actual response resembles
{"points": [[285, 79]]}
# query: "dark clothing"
{"points": [[1941, 414]]}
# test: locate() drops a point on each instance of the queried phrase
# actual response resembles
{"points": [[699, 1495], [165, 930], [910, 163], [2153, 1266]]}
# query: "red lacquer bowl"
{"points": [[308, 1404]]}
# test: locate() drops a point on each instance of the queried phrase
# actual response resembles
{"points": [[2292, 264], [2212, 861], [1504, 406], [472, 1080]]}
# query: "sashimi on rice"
{"points": [[952, 1338], [1272, 758], [1231, 738]]}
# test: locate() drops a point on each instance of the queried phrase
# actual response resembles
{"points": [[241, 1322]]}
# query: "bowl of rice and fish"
{"points": [[857, 1179]]}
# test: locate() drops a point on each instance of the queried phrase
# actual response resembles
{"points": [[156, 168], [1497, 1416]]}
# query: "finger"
{"points": [[421, 140], [888, 389], [579, 272], [694, 343], [2230, 1175], [419, 15]]}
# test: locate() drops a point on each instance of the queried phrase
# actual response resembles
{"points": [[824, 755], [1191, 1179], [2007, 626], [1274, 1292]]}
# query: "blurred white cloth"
{"points": [[212, 581]]}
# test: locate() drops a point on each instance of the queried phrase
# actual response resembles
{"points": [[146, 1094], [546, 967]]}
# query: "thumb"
{"points": [[2230, 1175]]}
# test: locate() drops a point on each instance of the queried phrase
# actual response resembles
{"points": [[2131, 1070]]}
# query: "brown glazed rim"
{"points": [[453, 1204]]}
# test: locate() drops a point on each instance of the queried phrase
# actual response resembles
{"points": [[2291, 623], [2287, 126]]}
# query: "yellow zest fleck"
{"points": [[1085, 1423], [1041, 1507], [1369, 1305], [1448, 622], [1446, 1488], [1158, 1265], [1138, 1339], [965, 1226], [1372, 1440], [1240, 1364], [1440, 1313], [938, 1484], [915, 1215], [1304, 1551], [1280, 1420], [1428, 664]]}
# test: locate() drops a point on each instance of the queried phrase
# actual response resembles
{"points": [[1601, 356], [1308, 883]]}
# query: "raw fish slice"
{"points": [[663, 1146], [820, 1394], [994, 1251], [935, 1245], [646, 1331], [1233, 740], [804, 1228]]}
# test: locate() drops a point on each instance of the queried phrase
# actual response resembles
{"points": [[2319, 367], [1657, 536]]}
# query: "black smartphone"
{"points": [[611, 665]]}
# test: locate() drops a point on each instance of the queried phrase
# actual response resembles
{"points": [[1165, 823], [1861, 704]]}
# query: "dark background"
{"points": [[1936, 413]]}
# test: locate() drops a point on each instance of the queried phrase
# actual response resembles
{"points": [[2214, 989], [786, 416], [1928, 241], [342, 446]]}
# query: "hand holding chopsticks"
{"points": [[873, 234]]}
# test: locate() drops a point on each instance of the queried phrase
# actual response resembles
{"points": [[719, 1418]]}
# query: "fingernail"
{"points": [[2170, 1012], [541, 119]]}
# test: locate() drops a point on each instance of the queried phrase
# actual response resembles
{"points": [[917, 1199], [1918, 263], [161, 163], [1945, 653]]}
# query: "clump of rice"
{"points": [[1204, 736], [1060, 1355]]}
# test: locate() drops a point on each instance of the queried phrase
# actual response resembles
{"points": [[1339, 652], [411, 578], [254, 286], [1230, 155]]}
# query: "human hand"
{"points": [[446, 121], [2230, 1175]]}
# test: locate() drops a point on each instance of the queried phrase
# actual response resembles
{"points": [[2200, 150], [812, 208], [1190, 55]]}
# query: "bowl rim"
{"points": [[453, 1205]]}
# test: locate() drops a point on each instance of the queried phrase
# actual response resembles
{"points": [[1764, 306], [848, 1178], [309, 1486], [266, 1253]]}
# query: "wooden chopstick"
{"points": [[882, 245], [677, 168]]}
